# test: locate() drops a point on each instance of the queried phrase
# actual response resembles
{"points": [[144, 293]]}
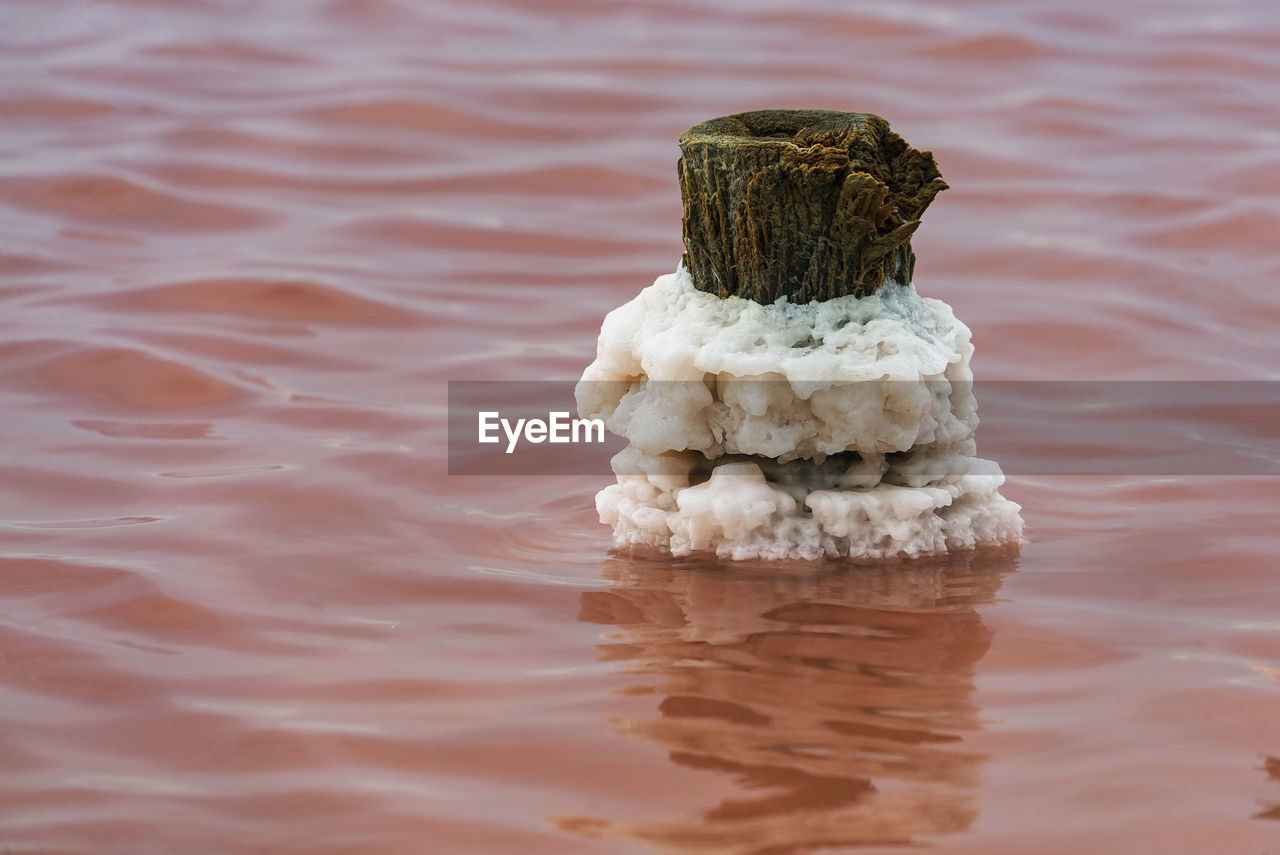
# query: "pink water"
{"points": [[243, 609]]}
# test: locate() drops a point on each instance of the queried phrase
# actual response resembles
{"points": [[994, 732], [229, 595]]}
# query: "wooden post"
{"points": [[803, 204]]}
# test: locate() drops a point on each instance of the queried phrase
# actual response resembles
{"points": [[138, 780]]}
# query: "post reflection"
{"points": [[839, 702], [1271, 765]]}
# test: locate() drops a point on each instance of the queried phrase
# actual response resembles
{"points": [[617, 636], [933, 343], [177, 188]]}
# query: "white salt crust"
{"points": [[733, 411], [677, 368], [739, 514]]}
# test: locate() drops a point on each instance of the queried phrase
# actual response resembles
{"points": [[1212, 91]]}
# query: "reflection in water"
{"points": [[840, 698], [1271, 811]]}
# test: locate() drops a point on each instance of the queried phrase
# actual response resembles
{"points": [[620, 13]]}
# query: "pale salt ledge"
{"points": [[739, 514], [677, 368], [834, 429]]}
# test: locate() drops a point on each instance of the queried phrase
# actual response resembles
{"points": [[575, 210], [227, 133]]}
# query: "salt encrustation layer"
{"points": [[841, 428]]}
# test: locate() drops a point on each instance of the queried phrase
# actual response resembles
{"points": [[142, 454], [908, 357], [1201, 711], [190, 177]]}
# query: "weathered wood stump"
{"points": [[803, 204]]}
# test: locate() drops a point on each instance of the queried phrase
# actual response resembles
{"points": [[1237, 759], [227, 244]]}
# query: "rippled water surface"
{"points": [[244, 609]]}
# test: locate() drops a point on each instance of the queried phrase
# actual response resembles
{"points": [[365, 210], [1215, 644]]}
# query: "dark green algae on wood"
{"points": [[802, 204]]}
